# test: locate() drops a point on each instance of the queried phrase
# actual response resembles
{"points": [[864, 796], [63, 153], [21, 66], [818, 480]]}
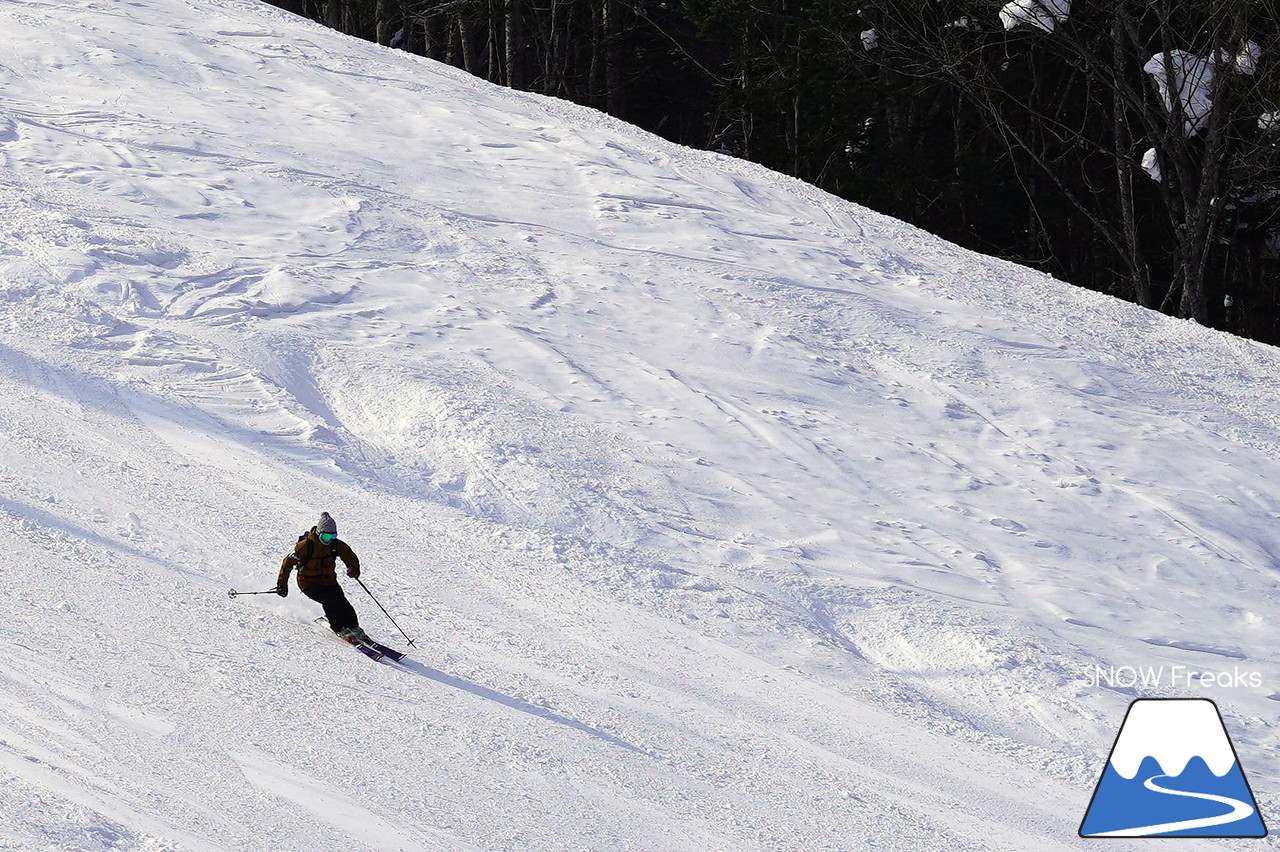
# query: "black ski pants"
{"points": [[337, 609]]}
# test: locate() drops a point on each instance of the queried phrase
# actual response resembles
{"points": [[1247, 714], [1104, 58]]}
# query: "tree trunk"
{"points": [[1138, 276], [614, 87], [495, 56], [383, 22], [465, 46], [516, 76], [553, 64]]}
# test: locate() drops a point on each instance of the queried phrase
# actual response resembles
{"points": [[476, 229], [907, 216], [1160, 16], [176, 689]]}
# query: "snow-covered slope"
{"points": [[727, 515]]}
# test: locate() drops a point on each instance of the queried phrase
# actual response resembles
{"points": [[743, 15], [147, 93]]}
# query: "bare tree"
{"points": [[1070, 86]]}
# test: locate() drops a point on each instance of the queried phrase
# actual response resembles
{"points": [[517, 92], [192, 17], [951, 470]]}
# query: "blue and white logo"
{"points": [[1173, 773]]}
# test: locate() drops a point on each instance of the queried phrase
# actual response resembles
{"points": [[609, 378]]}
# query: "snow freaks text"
{"points": [[1172, 677]]}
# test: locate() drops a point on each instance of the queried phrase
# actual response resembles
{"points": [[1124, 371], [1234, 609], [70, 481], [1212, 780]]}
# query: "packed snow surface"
{"points": [[725, 515]]}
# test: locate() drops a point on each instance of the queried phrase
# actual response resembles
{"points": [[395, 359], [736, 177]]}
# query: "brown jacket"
{"points": [[316, 561]]}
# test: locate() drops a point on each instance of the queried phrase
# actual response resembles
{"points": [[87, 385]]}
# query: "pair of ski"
{"points": [[371, 649]]}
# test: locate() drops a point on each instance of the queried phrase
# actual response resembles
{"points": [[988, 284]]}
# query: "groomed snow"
{"points": [[726, 515]]}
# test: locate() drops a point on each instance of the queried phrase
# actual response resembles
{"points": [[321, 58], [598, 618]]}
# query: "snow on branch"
{"points": [[1044, 14], [1246, 59], [1151, 165], [1192, 77]]}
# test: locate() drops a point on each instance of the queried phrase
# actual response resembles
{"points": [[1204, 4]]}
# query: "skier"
{"points": [[315, 556]]}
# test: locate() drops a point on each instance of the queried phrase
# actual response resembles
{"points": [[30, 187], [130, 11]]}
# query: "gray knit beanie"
{"points": [[327, 524]]}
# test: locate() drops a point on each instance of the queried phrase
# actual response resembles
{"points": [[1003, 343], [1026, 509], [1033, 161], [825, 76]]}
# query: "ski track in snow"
{"points": [[727, 515]]}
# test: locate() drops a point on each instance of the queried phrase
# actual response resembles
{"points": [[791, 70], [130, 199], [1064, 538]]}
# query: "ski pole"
{"points": [[233, 593], [384, 612]]}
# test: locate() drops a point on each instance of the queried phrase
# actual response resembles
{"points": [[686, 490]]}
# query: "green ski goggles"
{"points": [[328, 537]]}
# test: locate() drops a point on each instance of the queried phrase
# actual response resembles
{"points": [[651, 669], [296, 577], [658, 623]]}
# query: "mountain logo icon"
{"points": [[1173, 773]]}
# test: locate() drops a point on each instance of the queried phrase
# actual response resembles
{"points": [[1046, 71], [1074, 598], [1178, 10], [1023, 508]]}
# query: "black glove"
{"points": [[282, 590], [354, 573]]}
